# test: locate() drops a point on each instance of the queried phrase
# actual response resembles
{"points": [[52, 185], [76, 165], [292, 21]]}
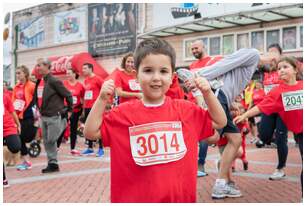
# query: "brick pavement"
{"points": [[86, 179]]}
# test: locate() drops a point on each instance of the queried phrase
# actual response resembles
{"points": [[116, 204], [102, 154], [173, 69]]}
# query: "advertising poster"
{"points": [[111, 28], [69, 26], [31, 34]]}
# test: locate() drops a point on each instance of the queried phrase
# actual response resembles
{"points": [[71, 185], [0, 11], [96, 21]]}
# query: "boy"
{"points": [[154, 140]]}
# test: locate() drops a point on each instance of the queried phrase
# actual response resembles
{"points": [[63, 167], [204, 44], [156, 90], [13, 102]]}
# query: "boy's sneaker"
{"points": [[223, 191], [5, 183], [24, 166], [277, 175], [75, 152], [100, 153], [88, 152]]}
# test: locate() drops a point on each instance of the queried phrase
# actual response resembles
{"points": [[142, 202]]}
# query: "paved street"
{"points": [[86, 179]]}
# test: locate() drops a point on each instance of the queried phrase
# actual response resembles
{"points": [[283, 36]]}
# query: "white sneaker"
{"points": [[277, 175], [217, 163], [223, 191]]}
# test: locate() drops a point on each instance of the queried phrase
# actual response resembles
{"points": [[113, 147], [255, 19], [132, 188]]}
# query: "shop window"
{"points": [[228, 44], [214, 46], [257, 40], [242, 41], [273, 37], [289, 38]]}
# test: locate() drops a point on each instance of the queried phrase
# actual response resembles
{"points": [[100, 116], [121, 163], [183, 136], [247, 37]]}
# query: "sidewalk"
{"points": [[86, 179]]}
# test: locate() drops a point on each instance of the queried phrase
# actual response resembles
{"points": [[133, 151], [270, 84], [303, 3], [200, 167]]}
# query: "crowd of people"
{"points": [[144, 113]]}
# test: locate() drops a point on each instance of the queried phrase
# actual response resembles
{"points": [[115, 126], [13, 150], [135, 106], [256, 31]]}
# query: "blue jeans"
{"points": [[202, 152]]}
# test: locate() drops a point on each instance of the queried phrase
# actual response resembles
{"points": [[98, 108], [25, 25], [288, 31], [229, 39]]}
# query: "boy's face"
{"points": [[155, 77]]}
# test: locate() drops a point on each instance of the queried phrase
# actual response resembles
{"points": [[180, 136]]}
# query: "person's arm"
{"points": [[64, 92], [214, 107], [125, 94], [15, 117], [95, 117], [250, 113]]}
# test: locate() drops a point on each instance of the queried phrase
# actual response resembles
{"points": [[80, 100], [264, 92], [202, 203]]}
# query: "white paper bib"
{"points": [[19, 104], [268, 88], [40, 90], [293, 100], [157, 143], [134, 86], [88, 95], [74, 99]]}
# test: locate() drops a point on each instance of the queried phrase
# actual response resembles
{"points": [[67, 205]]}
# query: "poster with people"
{"points": [[111, 28], [31, 34], [69, 25]]}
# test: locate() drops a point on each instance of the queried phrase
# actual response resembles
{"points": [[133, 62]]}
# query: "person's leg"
{"points": [[89, 150], [73, 128], [299, 138], [281, 135], [267, 127], [203, 147], [60, 139]]}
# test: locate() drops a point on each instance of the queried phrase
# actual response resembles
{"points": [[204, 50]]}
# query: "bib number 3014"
{"points": [[293, 100], [157, 143]]}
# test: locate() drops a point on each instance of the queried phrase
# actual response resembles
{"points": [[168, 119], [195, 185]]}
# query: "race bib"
{"points": [[40, 92], [257, 119], [74, 99], [19, 104], [134, 86], [157, 143], [88, 95], [293, 100], [268, 88]]}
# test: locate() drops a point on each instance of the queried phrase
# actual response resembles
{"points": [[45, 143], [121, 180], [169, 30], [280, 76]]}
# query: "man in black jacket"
{"points": [[53, 112]]}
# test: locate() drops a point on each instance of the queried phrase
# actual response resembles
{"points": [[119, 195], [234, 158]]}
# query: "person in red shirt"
{"points": [[77, 90], [127, 87], [272, 125], [286, 100], [153, 145], [22, 100], [11, 129], [92, 85]]}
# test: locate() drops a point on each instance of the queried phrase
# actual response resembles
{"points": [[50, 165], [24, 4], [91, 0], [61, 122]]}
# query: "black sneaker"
{"points": [[52, 167]]}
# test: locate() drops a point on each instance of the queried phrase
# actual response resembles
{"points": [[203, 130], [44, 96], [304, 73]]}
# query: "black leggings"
{"points": [[268, 124], [13, 144], [299, 138], [74, 119], [28, 132], [90, 142]]}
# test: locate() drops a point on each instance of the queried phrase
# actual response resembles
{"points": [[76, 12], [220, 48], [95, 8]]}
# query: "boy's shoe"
{"points": [[277, 175], [5, 183], [52, 167], [88, 151], [24, 166], [100, 153], [75, 152], [223, 191]]}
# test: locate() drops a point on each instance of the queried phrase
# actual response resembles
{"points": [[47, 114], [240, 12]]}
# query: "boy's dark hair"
{"points": [[125, 58], [89, 65], [277, 46], [153, 46]]}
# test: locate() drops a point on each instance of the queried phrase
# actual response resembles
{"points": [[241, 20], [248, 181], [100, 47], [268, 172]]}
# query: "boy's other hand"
{"points": [[202, 84], [107, 89]]}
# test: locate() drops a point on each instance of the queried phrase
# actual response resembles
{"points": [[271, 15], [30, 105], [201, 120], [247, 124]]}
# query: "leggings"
{"points": [[13, 143], [299, 138], [266, 129], [90, 142]]}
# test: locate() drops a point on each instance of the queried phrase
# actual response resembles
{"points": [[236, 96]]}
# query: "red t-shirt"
{"points": [[154, 150], [40, 89], [127, 82], [92, 87], [175, 91], [205, 61], [258, 95], [274, 103], [20, 101], [77, 92], [9, 125], [271, 80]]}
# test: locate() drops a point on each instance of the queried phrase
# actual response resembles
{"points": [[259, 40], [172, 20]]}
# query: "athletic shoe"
{"points": [[88, 151], [277, 175], [75, 152], [223, 191], [100, 153], [217, 162], [52, 167], [24, 166], [5, 183], [201, 174]]}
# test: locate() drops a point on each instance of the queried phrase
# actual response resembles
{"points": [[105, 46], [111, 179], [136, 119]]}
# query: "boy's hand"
{"points": [[202, 84], [107, 89]]}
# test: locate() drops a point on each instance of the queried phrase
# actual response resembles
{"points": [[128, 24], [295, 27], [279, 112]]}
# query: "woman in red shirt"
{"points": [[286, 100], [11, 129], [127, 87], [22, 98], [77, 90]]}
